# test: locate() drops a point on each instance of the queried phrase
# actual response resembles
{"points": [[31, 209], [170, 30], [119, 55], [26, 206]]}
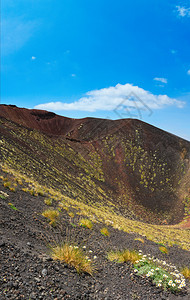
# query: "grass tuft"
{"points": [[73, 256], [105, 231], [140, 240], [163, 249], [12, 206], [71, 214], [52, 215], [48, 201], [86, 223], [124, 256], [7, 184], [186, 272]]}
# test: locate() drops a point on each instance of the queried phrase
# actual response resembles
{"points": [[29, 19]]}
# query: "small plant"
{"points": [[33, 193], [5, 179], [124, 256], [140, 240], [40, 193], [19, 181], [86, 223], [71, 214], [186, 272], [105, 231], [7, 184], [163, 249], [12, 206], [52, 215], [48, 201], [72, 224], [3, 195], [73, 256], [12, 189], [163, 275]]}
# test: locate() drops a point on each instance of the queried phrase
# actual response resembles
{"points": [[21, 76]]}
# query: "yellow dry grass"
{"points": [[73, 256], [86, 223], [52, 215], [186, 272], [105, 231], [124, 256]]}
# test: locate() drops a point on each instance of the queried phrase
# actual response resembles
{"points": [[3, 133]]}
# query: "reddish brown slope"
{"points": [[141, 167], [44, 121]]}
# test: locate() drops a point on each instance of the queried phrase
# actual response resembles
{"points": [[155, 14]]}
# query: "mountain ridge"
{"points": [[140, 169]]}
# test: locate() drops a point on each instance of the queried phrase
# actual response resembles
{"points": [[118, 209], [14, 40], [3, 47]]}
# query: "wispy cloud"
{"points": [[183, 11], [15, 32], [188, 72], [33, 57], [163, 80], [107, 99]]}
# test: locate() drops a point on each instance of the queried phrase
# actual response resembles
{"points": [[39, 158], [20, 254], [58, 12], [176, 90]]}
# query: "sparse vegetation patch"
{"points": [[161, 273], [74, 256]]}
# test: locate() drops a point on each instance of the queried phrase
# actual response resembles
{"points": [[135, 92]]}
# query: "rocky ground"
{"points": [[28, 272]]}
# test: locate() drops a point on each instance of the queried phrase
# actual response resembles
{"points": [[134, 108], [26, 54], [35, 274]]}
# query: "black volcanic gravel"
{"points": [[27, 271]]}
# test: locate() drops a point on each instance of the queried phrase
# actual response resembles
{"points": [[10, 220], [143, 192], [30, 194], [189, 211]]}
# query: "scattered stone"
{"points": [[44, 272]]}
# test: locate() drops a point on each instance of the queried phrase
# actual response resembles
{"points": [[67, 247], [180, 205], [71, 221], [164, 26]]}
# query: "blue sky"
{"points": [[99, 58]]}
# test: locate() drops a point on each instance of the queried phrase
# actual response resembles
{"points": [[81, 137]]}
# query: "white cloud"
{"points": [[33, 57], [188, 72], [107, 99], [15, 32], [182, 11], [163, 80], [73, 75]]}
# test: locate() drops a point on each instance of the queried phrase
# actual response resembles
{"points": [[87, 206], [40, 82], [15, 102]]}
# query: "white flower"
{"points": [[75, 247], [170, 282], [84, 247], [152, 270], [166, 276], [173, 285], [95, 256], [135, 270], [177, 281], [137, 261], [90, 251], [157, 269], [159, 284]]}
